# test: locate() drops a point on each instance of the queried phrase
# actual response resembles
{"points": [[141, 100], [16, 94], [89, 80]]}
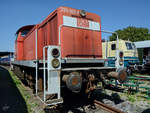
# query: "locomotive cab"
{"points": [[23, 31], [126, 48], [20, 35]]}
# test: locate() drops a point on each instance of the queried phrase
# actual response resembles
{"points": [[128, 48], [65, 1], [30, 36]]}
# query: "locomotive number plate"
{"points": [[82, 23]]}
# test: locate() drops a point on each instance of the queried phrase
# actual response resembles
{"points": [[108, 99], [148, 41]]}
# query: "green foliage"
{"points": [[21, 88], [15, 79], [149, 102], [132, 33], [131, 98]]}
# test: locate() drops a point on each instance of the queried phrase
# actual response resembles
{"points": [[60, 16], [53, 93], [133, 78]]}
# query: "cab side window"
{"points": [[129, 46], [24, 33], [113, 46]]}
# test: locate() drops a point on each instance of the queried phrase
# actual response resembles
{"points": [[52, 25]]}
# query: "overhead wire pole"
{"points": [[117, 47]]}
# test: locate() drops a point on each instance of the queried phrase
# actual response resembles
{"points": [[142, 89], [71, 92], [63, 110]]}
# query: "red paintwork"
{"points": [[74, 42], [19, 47]]}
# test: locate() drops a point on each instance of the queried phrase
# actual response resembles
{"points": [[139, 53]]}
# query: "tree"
{"points": [[132, 33]]}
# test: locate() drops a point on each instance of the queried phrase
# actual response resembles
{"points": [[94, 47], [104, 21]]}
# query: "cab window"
{"points": [[24, 33], [133, 45], [113, 46], [129, 46]]}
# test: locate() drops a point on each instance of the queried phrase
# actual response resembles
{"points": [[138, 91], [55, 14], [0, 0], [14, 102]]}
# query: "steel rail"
{"points": [[107, 107]]}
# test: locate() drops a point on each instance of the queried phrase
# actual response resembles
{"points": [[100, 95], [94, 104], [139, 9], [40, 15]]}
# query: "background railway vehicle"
{"points": [[62, 52], [144, 55], [5, 58], [127, 52]]}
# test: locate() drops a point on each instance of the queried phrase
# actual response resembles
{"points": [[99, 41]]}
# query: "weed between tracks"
{"points": [[33, 106]]}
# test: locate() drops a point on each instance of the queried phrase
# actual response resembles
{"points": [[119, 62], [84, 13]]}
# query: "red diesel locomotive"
{"points": [[64, 50]]}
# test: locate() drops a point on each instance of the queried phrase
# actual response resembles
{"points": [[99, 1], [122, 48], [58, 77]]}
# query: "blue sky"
{"points": [[115, 14]]}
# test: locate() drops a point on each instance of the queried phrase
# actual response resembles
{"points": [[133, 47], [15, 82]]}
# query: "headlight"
{"points": [[82, 13], [55, 63], [55, 53]]}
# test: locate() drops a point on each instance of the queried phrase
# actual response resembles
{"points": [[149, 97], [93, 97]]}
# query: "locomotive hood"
{"points": [[80, 36]]}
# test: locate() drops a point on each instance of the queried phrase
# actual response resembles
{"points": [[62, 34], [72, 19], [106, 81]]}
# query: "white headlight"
{"points": [[55, 63], [55, 53], [82, 13]]}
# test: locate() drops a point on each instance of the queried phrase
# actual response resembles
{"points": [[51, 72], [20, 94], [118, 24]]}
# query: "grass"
{"points": [[131, 98], [135, 97], [149, 102], [27, 97]]}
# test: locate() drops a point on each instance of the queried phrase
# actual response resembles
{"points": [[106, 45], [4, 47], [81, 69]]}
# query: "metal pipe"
{"points": [[71, 27], [117, 52], [36, 62], [44, 62], [106, 48], [10, 60], [108, 32], [60, 33], [44, 73], [44, 69], [107, 107]]}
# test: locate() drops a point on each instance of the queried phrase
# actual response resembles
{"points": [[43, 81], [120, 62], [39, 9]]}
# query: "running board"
{"points": [[88, 68]]}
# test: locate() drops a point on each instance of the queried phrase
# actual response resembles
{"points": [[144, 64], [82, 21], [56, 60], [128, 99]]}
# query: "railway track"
{"points": [[100, 108], [107, 108]]}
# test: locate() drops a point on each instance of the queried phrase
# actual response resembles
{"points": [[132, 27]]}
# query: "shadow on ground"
{"points": [[11, 100], [75, 102], [146, 111]]}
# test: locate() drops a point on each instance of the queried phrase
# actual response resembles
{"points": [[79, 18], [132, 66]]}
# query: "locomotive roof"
{"points": [[142, 44], [24, 28], [63, 9], [120, 40]]}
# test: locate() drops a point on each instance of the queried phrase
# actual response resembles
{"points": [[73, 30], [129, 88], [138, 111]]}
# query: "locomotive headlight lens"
{"points": [[55, 63], [82, 13], [55, 53]]}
